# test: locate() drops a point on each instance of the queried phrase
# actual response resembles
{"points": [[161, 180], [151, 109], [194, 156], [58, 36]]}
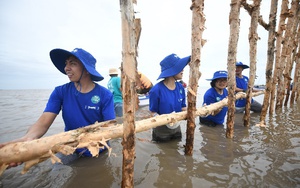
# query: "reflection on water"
{"points": [[255, 157]]}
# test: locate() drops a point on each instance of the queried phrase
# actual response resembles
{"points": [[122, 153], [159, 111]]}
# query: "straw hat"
{"points": [[113, 71]]}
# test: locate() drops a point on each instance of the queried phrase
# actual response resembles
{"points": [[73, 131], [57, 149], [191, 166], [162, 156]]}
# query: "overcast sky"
{"points": [[31, 28]]}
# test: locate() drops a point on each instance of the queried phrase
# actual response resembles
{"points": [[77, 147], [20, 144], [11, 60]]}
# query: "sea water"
{"points": [[254, 157]]}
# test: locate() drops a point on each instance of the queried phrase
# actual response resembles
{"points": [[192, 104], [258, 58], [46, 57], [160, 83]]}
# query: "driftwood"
{"points": [[92, 137]]}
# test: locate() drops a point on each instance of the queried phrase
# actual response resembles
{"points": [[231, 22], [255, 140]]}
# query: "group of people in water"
{"points": [[84, 102]]}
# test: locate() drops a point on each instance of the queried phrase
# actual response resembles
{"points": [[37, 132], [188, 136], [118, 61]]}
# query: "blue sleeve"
{"points": [[55, 101], [154, 99], [108, 107]]}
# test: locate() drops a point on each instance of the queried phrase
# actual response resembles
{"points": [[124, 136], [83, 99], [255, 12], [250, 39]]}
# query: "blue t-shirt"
{"points": [[164, 101], [212, 96], [81, 109], [241, 83], [114, 85]]}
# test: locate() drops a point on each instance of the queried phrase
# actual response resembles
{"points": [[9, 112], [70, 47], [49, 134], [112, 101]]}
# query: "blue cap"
{"points": [[59, 57], [219, 74], [172, 65], [242, 65]]}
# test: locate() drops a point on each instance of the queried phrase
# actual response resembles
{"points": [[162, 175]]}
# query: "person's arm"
{"points": [[37, 130], [42, 125]]}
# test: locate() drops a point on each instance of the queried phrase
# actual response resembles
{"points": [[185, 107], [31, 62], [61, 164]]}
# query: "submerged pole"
{"points": [[198, 21], [234, 23], [128, 90]]}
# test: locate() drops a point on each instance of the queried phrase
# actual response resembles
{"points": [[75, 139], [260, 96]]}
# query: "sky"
{"points": [[30, 29]]}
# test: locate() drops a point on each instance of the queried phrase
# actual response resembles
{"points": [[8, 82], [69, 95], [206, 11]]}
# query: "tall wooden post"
{"points": [[296, 80], [129, 67], [278, 72], [253, 37], [270, 60], [234, 23], [288, 47], [198, 21]]}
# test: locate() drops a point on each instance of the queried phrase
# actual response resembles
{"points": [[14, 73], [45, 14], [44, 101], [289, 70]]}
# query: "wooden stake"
{"points": [[129, 70], [194, 75]]}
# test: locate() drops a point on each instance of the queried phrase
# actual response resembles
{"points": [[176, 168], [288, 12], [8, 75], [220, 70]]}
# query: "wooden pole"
{"points": [[270, 59], [198, 21], [253, 37], [128, 91], [277, 70], [289, 47], [281, 59], [234, 23], [93, 137], [296, 80]]}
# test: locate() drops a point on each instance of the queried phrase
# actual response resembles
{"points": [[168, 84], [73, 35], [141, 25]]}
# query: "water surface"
{"points": [[255, 157]]}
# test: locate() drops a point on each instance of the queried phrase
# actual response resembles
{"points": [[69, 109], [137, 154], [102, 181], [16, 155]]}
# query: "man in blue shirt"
{"points": [[242, 86], [82, 101]]}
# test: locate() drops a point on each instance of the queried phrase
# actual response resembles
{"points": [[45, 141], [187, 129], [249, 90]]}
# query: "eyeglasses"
{"points": [[222, 80]]}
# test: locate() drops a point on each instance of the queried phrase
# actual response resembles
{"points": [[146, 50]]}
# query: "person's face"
{"points": [[221, 83], [179, 76], [238, 70], [73, 68]]}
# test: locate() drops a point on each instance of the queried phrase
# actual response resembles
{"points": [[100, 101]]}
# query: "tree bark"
{"points": [[234, 23], [253, 37], [289, 47], [270, 59], [129, 71], [280, 55], [197, 30]]}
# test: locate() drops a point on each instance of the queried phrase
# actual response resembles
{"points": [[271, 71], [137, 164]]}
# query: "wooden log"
{"points": [[253, 37], [129, 67], [92, 137], [234, 23], [198, 21], [270, 59]]}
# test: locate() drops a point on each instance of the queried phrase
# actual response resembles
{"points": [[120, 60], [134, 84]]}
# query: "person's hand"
{"points": [[14, 164]]}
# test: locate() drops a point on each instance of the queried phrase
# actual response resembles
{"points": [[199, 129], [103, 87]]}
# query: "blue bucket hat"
{"points": [[242, 65], [59, 57], [219, 74], [172, 65]]}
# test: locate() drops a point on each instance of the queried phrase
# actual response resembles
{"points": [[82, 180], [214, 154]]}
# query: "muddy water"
{"points": [[255, 157]]}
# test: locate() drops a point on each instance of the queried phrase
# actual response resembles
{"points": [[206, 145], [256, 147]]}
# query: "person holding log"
{"points": [[242, 86], [143, 84], [82, 101], [216, 93], [114, 85], [168, 96]]}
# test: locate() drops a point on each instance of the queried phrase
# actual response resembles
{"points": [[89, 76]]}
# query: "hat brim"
{"points": [[59, 57], [217, 77], [243, 66], [179, 66]]}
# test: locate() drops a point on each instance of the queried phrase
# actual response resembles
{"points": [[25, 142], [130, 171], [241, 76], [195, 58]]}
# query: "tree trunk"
{"points": [[92, 136], [129, 70], [281, 56], [276, 76], [289, 46], [253, 37], [197, 30], [270, 59], [234, 23]]}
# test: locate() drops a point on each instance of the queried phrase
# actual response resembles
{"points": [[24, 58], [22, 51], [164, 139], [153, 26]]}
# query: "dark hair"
{"points": [[213, 83]]}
